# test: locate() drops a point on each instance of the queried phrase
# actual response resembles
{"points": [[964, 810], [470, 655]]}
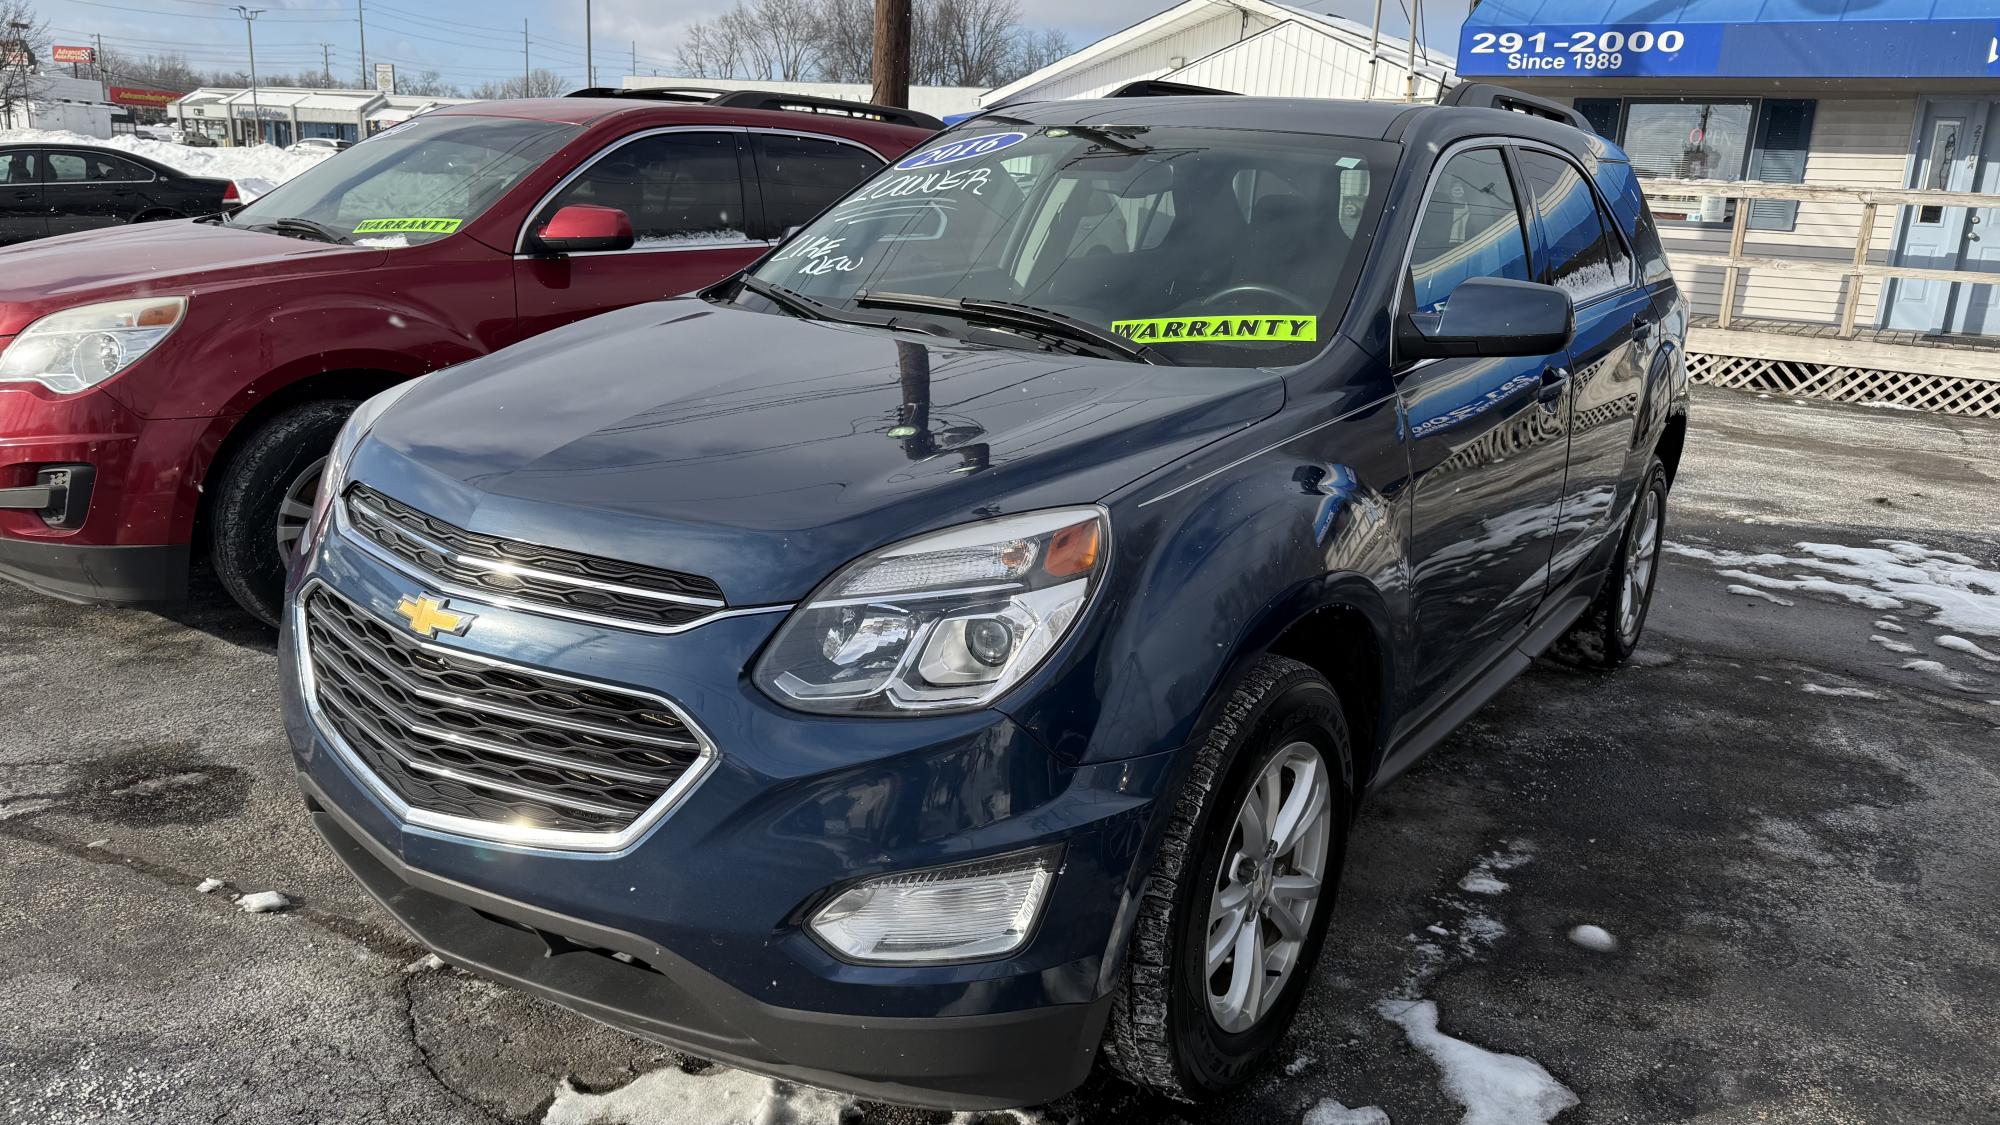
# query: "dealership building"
{"points": [[1847, 111], [281, 115]]}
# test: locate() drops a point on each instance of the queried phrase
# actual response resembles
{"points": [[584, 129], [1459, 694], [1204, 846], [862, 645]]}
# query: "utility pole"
{"points": [[1374, 51], [892, 53], [526, 67], [361, 17], [249, 30], [326, 62], [589, 60], [1410, 78], [635, 58]]}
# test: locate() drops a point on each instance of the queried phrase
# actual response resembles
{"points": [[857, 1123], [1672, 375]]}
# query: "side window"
{"points": [[67, 168], [801, 175], [118, 168], [1585, 257], [680, 189], [18, 168], [1471, 227]]}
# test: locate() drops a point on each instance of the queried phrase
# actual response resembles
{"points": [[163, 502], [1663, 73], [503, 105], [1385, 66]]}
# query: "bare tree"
{"points": [[538, 83], [952, 42], [428, 84], [24, 43]]}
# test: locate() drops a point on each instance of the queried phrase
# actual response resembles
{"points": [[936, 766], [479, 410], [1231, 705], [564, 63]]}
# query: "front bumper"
{"points": [[712, 898], [82, 572], [958, 1062]]}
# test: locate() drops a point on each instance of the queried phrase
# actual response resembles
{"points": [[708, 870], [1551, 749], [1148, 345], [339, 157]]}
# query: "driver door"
{"points": [[685, 192], [1487, 444]]}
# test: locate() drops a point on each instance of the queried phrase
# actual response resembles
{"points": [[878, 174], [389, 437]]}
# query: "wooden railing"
{"points": [[1872, 200]]}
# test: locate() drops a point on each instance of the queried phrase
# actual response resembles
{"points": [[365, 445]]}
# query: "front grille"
{"points": [[528, 572], [463, 738]]}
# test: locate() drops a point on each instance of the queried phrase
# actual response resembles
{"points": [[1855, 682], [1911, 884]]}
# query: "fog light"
{"points": [[965, 912]]}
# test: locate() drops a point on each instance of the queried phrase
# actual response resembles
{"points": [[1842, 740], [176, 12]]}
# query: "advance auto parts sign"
{"points": [[1220, 329]]}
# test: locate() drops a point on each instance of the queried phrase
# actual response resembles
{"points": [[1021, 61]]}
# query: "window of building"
{"points": [[679, 189], [1585, 257], [1762, 139], [1471, 227]]}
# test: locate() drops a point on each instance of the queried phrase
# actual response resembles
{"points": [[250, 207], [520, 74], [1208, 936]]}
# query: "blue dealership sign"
{"points": [[1591, 51], [1726, 38]]}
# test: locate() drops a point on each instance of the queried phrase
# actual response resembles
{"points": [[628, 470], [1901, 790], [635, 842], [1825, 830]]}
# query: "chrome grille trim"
{"points": [[549, 839], [444, 585], [450, 699]]}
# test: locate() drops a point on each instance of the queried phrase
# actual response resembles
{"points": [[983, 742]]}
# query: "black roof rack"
{"points": [[1158, 88], [766, 99], [1487, 95]]}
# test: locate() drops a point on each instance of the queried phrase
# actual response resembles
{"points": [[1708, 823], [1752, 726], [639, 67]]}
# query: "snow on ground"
{"points": [[719, 1096], [262, 902], [1844, 692], [1903, 647], [1331, 1112], [208, 886], [428, 963], [1960, 644], [256, 170], [1888, 626], [1958, 681], [1594, 938], [1495, 1089], [1754, 592]]}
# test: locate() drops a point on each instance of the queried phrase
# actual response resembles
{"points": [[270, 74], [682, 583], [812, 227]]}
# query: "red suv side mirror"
{"points": [[582, 227]]}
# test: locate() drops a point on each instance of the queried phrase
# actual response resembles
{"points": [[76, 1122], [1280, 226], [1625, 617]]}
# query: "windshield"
{"points": [[1211, 246], [415, 183]]}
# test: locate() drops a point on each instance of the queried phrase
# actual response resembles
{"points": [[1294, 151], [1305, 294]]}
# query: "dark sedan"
{"points": [[60, 189]]}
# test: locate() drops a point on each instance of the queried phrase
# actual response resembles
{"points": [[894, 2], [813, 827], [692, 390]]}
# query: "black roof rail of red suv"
{"points": [[1488, 95], [766, 99]]}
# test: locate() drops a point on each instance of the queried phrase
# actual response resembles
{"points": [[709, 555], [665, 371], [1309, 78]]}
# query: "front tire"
{"points": [[1610, 629], [263, 498], [1236, 906]]}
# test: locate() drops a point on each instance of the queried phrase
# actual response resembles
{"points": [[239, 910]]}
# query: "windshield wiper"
{"points": [[1016, 315], [779, 295], [317, 231]]}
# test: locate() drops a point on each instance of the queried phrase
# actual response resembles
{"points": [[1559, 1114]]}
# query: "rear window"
{"points": [[416, 183]]}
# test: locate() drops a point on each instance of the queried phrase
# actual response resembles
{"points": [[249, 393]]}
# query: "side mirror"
{"points": [[1490, 316], [583, 227]]}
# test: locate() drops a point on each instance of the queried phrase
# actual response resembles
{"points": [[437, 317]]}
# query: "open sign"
{"points": [[959, 150]]}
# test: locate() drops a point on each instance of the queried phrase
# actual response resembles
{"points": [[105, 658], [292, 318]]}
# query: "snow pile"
{"points": [[1331, 1112], [1495, 1089], [256, 170], [1754, 592], [428, 963], [1957, 681], [1960, 644], [1843, 692], [1597, 939], [720, 1096], [208, 886], [262, 902], [1904, 648]]}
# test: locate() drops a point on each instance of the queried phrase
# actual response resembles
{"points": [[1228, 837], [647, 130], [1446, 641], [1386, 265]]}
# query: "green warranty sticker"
{"points": [[1224, 328], [407, 226]]}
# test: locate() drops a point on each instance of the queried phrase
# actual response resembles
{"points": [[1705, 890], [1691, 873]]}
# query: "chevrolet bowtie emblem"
{"points": [[428, 616]]}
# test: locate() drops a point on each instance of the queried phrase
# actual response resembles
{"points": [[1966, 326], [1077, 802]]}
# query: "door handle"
{"points": [[1554, 377], [1642, 328]]}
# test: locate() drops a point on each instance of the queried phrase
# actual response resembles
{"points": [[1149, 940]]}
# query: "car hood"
{"points": [[765, 451], [133, 261]]}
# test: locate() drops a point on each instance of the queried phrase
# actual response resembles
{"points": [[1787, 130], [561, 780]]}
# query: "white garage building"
{"points": [[1249, 46]]}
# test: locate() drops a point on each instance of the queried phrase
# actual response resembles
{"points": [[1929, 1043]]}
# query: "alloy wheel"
{"points": [[295, 510], [1269, 884], [1642, 556]]}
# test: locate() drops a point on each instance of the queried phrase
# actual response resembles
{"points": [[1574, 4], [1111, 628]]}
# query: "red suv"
{"points": [[173, 388]]}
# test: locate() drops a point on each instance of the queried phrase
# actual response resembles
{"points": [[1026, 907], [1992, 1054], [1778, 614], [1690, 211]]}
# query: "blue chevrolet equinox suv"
{"points": [[954, 649]]}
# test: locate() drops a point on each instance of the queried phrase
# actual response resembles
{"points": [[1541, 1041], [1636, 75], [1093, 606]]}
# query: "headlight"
{"points": [[945, 621], [345, 443], [966, 912], [79, 348]]}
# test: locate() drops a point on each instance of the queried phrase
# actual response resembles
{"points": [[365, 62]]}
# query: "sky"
{"points": [[474, 41]]}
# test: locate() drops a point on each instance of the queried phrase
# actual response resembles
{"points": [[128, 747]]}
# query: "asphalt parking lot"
{"points": [[1786, 811]]}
